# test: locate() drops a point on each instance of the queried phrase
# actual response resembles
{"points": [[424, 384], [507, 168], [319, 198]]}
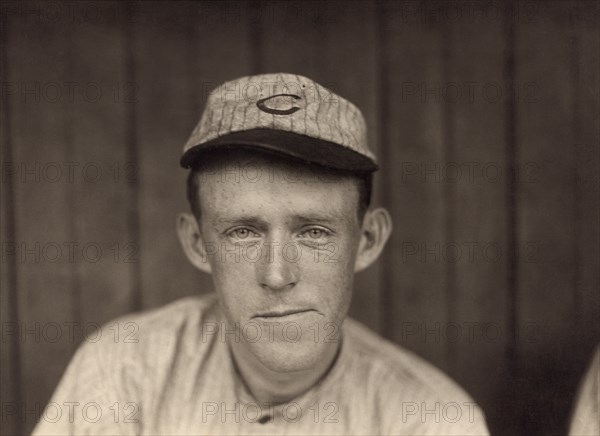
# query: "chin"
{"points": [[282, 356]]}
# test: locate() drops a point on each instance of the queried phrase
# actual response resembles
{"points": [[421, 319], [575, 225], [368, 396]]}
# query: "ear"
{"points": [[192, 242], [376, 229]]}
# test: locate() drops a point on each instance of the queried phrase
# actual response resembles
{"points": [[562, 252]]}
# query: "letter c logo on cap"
{"points": [[275, 104]]}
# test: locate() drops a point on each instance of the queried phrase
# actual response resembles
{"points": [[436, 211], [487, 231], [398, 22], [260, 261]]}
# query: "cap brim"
{"points": [[305, 148]]}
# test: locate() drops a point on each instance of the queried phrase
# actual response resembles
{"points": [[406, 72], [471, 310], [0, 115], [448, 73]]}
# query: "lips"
{"points": [[282, 313]]}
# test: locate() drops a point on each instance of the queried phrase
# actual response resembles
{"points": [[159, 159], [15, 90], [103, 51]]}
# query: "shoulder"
{"points": [[398, 364], [410, 390], [175, 327], [168, 319]]}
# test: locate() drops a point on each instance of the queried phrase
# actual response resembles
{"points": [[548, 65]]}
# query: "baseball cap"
{"points": [[285, 114]]}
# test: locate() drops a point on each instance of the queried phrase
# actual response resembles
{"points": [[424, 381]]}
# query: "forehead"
{"points": [[249, 180]]}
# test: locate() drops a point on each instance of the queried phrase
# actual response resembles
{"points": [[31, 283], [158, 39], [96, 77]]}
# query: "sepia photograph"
{"points": [[307, 217]]}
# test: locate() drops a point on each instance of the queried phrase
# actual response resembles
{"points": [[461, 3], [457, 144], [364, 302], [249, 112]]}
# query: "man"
{"points": [[279, 186]]}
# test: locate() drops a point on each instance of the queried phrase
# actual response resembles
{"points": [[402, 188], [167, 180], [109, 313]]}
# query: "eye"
{"points": [[315, 234], [242, 233]]}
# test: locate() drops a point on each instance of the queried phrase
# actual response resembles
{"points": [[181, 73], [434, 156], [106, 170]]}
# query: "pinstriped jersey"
{"points": [[176, 376]]}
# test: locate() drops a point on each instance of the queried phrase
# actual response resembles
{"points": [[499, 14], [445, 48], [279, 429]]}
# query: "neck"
{"points": [[269, 386]]}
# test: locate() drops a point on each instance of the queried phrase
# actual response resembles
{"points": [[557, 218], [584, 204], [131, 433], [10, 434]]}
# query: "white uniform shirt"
{"points": [[179, 379]]}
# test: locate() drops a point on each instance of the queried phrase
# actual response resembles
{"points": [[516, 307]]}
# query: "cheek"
{"points": [[331, 278], [231, 280]]}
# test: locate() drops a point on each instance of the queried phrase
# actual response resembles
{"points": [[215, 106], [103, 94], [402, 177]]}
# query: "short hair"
{"points": [[363, 180]]}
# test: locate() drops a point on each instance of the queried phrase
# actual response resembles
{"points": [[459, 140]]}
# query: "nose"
{"points": [[278, 270]]}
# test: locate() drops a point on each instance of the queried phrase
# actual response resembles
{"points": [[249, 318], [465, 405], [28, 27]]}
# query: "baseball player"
{"points": [[279, 185]]}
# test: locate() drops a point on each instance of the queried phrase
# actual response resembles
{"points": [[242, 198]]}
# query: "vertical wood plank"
{"points": [[384, 55], [505, 398], [10, 370], [101, 195], [415, 149], [547, 139], [586, 125], [39, 107], [180, 55], [474, 94]]}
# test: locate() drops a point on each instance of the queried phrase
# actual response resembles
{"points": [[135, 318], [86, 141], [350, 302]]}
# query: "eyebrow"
{"points": [[242, 219], [323, 218], [304, 218]]}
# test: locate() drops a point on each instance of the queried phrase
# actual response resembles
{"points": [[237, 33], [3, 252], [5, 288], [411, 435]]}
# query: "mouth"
{"points": [[283, 313]]}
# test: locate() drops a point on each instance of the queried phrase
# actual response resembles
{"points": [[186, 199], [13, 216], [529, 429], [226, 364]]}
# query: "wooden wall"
{"points": [[485, 119]]}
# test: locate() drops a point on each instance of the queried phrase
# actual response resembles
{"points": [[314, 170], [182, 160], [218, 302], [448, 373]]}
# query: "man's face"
{"points": [[281, 242]]}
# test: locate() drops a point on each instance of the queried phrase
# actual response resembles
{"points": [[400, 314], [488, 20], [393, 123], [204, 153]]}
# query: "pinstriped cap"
{"points": [[286, 114]]}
